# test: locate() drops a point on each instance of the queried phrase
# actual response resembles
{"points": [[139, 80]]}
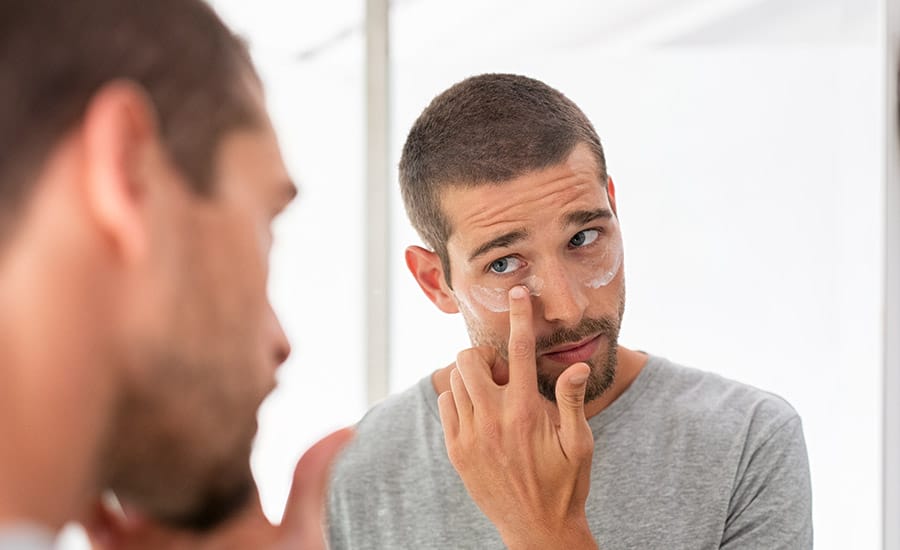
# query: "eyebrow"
{"points": [[503, 241], [584, 217]]}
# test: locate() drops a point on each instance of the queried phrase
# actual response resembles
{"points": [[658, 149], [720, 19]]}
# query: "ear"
{"points": [[611, 193], [120, 137], [426, 267]]}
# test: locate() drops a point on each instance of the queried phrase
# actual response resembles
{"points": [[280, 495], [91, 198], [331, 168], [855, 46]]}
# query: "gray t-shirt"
{"points": [[683, 459], [26, 537]]}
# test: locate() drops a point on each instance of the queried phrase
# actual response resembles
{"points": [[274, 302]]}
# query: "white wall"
{"points": [[891, 379]]}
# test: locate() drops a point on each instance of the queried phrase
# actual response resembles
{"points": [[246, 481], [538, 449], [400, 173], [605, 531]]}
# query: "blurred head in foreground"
{"points": [[139, 176]]}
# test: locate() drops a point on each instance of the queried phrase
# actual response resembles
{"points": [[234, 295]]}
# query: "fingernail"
{"points": [[578, 379], [518, 292]]}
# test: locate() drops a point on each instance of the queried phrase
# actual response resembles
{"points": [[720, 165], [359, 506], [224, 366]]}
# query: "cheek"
{"points": [[600, 270], [480, 320], [245, 254], [608, 300]]}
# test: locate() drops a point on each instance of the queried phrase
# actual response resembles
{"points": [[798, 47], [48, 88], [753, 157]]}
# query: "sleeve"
{"points": [[771, 504]]}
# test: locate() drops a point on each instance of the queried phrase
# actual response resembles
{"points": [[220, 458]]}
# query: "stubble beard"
{"points": [[156, 463], [603, 366]]}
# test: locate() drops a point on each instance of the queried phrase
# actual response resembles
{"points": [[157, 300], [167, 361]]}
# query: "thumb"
{"points": [[574, 433], [101, 527], [107, 524], [304, 514]]}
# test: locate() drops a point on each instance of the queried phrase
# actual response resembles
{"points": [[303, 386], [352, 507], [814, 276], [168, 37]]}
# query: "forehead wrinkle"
{"points": [[491, 205]]}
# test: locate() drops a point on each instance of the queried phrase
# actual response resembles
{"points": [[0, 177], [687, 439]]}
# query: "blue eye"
{"points": [[584, 238], [507, 264]]}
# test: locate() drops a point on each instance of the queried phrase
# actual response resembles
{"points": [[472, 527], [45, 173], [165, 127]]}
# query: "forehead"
{"points": [[535, 201]]}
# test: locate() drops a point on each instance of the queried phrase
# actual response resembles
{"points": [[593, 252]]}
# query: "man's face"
{"points": [[188, 417], [555, 232]]}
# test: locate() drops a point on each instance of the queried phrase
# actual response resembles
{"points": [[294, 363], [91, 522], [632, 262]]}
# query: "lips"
{"points": [[574, 352]]}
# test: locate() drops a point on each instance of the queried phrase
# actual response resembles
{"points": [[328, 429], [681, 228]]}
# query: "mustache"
{"points": [[588, 327]]}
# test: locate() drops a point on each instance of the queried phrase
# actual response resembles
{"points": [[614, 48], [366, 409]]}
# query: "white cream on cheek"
{"points": [[601, 271], [497, 299]]}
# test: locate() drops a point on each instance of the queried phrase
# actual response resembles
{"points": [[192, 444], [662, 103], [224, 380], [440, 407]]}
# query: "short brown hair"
{"points": [[487, 129], [54, 56]]}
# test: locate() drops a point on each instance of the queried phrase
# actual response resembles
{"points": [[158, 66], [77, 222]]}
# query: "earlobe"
{"points": [[119, 133], [426, 267]]}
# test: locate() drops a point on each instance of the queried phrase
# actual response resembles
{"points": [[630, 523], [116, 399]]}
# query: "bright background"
{"points": [[745, 138]]}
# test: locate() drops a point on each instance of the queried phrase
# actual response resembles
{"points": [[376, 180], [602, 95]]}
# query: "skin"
{"points": [[138, 339], [524, 459]]}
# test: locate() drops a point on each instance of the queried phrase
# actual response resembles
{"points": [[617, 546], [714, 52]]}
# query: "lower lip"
{"points": [[575, 355]]}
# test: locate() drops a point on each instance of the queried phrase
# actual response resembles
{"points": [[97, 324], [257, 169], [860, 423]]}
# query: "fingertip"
{"points": [[319, 457], [444, 396], [579, 374], [448, 413], [329, 444], [345, 434], [311, 475], [341, 438], [518, 292]]}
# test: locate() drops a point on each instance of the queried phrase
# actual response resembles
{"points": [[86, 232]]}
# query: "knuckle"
{"points": [[490, 428], [521, 348], [469, 357], [521, 420], [463, 357], [582, 447], [573, 398], [457, 457]]}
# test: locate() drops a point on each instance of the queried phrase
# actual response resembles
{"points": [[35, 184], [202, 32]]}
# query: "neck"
{"points": [[53, 397]]}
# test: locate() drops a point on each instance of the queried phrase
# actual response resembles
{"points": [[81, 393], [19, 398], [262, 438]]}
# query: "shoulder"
{"points": [[719, 403], [390, 435]]}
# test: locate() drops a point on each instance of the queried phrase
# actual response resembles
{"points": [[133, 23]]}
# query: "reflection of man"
{"points": [[139, 176], [505, 180]]}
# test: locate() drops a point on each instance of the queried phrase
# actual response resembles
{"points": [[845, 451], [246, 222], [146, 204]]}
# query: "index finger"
{"points": [[522, 362]]}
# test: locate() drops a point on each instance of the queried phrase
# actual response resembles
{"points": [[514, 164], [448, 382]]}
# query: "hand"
{"points": [[528, 475], [300, 529]]}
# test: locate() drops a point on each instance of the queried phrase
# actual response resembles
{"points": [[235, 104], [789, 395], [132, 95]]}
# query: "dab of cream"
{"points": [[608, 267], [497, 299]]}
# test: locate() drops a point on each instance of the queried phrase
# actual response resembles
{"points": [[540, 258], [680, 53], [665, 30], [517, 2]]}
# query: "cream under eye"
{"points": [[603, 263], [496, 299]]}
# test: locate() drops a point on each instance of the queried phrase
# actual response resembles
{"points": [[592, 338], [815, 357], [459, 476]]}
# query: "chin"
{"points": [[603, 372], [217, 505]]}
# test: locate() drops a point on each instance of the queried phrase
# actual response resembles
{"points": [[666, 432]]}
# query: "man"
{"points": [[548, 434], [139, 176]]}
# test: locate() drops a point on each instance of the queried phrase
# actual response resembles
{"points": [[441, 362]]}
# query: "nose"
{"points": [[281, 347], [562, 299]]}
